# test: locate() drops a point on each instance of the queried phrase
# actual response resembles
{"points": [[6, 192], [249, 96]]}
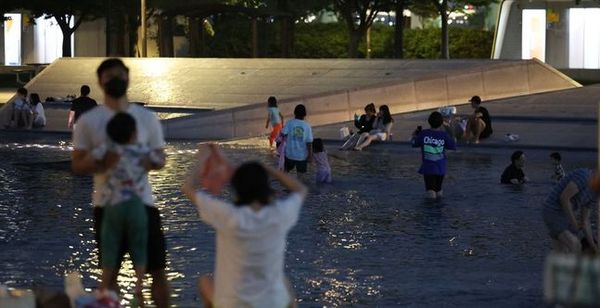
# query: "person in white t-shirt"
{"points": [[90, 133], [251, 234], [39, 116]]}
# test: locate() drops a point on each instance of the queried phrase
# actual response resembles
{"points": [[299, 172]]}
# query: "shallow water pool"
{"points": [[367, 240]]}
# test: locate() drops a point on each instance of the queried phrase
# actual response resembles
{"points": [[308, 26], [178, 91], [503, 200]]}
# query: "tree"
{"points": [[399, 6], [359, 16], [65, 12], [443, 8]]}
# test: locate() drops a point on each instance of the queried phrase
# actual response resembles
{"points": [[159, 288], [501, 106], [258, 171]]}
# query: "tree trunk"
{"points": [[132, 30], [355, 37], [444, 14], [254, 38], [285, 37], [286, 25], [115, 34], [165, 34], [194, 36], [66, 44], [399, 30]]}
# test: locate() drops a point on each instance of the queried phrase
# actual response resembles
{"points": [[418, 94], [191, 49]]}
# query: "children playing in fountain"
{"points": [[513, 174], [125, 217], [275, 118], [298, 141], [250, 232], [433, 143], [323, 172]]}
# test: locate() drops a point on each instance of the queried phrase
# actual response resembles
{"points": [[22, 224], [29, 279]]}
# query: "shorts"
{"points": [[125, 221], [433, 182], [381, 136], [156, 247], [300, 165], [556, 223]]}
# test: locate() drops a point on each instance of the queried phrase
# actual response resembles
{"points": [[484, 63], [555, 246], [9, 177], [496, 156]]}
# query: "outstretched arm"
{"points": [[587, 227], [565, 202], [83, 162], [287, 181], [71, 119]]}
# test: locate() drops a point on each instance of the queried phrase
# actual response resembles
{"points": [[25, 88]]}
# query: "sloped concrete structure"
{"points": [[430, 88], [332, 90]]}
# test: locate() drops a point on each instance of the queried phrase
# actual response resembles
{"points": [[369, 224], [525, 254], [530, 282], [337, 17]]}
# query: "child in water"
{"points": [[275, 118], [433, 143], [513, 174], [323, 173], [559, 172]]}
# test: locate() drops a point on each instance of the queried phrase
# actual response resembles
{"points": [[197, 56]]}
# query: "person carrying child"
{"points": [[125, 217], [90, 134], [323, 173], [275, 118], [298, 141], [433, 143], [250, 232]]}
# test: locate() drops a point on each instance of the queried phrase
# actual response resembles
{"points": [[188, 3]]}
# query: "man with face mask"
{"points": [[90, 135]]}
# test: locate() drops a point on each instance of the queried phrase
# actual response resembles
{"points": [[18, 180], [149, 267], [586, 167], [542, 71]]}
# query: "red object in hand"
{"points": [[216, 173]]}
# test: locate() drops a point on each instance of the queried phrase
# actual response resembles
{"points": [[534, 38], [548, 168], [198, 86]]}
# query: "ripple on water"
{"points": [[368, 239]]}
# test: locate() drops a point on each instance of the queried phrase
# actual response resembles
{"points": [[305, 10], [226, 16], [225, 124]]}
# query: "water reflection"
{"points": [[368, 240]]}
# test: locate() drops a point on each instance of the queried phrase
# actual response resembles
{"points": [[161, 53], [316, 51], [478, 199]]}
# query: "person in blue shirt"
{"points": [[567, 211], [298, 142], [433, 143]]}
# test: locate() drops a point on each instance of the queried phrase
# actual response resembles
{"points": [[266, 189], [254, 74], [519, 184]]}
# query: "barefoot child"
{"points": [[275, 118], [433, 143], [298, 141], [323, 172], [251, 235], [125, 217]]}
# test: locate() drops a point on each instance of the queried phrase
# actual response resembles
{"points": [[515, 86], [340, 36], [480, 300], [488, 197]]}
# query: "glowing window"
{"points": [[534, 35], [12, 39], [584, 38]]}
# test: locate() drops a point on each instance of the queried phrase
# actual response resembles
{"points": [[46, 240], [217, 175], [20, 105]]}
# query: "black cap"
{"points": [[475, 99]]}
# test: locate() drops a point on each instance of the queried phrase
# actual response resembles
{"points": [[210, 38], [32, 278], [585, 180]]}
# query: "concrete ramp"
{"points": [[406, 86]]}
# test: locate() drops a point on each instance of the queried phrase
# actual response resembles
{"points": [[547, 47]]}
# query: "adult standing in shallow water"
{"points": [[80, 105], [90, 134], [574, 193]]}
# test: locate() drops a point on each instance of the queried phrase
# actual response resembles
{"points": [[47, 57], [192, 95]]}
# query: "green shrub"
{"points": [[233, 38], [321, 41]]}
